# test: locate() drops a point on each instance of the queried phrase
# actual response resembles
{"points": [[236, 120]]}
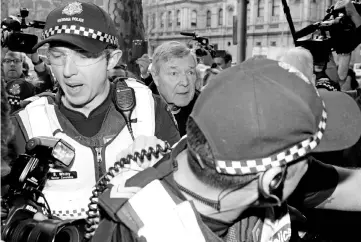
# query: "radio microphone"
{"points": [[124, 101]]}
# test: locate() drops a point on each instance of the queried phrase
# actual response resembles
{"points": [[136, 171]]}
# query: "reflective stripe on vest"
{"points": [[162, 218], [69, 198]]}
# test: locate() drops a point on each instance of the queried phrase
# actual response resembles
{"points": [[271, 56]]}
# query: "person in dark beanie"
{"points": [[247, 155]]}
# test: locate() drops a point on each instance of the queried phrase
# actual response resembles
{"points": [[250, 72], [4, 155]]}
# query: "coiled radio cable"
{"points": [[93, 213]]}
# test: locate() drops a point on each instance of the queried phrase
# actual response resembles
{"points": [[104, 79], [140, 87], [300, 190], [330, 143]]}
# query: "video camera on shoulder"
{"points": [[16, 40], [332, 33], [205, 47], [27, 179]]}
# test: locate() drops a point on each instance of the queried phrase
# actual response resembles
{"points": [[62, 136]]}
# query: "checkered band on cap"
{"points": [[79, 30], [75, 213], [288, 155], [14, 101]]}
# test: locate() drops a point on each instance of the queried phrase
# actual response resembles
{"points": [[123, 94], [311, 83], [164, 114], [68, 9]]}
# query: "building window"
{"points": [[220, 17], [178, 18], [260, 8], [194, 18], [275, 7], [209, 18], [170, 19], [273, 43], [230, 16], [258, 43], [153, 20], [162, 20]]}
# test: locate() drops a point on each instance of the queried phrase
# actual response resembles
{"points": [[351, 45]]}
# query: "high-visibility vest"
{"points": [[69, 198]]}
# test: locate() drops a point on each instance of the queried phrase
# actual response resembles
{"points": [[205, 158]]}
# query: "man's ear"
{"points": [[269, 178], [114, 58], [155, 77]]}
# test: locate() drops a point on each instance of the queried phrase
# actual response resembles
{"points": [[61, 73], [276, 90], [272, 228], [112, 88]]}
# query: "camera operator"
{"points": [[88, 111], [223, 59], [343, 44]]}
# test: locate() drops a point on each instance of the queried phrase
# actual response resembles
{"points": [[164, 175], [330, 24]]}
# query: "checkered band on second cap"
{"points": [[288, 155], [82, 31]]}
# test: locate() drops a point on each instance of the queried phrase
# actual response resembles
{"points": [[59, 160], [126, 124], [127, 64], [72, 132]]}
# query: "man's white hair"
{"points": [[167, 51]]}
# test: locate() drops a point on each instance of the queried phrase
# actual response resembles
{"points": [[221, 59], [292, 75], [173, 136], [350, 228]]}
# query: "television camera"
{"points": [[204, 46], [326, 35], [26, 180], [13, 36]]}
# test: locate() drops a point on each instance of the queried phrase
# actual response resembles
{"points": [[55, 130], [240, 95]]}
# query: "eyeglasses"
{"points": [[8, 61], [79, 58], [275, 194]]}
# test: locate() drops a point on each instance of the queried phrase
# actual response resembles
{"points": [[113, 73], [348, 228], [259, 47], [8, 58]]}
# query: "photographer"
{"points": [[17, 85]]}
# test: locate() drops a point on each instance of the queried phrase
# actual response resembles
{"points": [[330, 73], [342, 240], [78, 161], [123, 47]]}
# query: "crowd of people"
{"points": [[257, 148]]}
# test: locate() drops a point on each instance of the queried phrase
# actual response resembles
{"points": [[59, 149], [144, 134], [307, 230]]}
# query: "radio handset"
{"points": [[124, 102]]}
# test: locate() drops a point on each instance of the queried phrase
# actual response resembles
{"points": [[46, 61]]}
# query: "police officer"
{"points": [[83, 45]]}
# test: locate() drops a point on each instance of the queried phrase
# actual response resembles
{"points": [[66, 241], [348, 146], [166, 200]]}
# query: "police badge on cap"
{"points": [[73, 8]]}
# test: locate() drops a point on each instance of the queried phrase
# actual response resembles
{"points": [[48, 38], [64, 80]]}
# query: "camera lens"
{"points": [[67, 234], [62, 236], [50, 231], [19, 232]]}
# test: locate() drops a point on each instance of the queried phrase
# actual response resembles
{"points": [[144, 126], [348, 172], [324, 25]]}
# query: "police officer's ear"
{"points": [[114, 58], [269, 179]]}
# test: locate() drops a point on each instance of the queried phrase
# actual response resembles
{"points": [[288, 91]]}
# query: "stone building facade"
{"points": [[267, 27]]}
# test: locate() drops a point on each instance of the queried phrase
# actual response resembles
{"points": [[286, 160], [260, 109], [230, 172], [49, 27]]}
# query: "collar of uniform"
{"points": [[103, 107]]}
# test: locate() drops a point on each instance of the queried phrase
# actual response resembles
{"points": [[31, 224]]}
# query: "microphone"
{"points": [[124, 101], [188, 34], [306, 30]]}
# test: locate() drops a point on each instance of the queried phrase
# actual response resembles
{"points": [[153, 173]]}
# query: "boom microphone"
{"points": [[188, 34]]}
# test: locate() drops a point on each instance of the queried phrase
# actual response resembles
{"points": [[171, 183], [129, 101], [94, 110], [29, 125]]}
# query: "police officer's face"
{"points": [[83, 78], [176, 80], [13, 65]]}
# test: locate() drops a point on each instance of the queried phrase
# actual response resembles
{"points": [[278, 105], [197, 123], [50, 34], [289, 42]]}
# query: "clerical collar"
{"points": [[173, 108]]}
